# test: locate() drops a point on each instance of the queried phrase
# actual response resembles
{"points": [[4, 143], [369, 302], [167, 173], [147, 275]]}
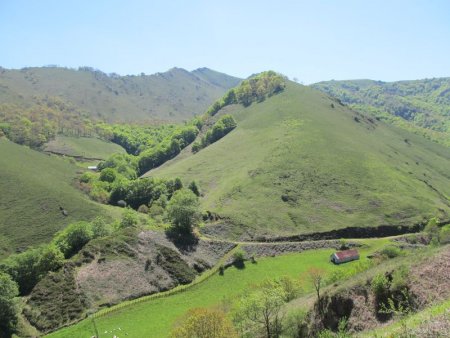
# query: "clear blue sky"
{"points": [[311, 40]]}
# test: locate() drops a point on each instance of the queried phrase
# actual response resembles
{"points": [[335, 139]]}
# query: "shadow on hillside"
{"points": [[239, 264], [183, 241]]}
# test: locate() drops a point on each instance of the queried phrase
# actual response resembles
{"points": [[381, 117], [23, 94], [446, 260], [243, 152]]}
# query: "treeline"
{"points": [[167, 149], [134, 138], [254, 89], [118, 185], [118, 174], [151, 145], [33, 126], [221, 128]]}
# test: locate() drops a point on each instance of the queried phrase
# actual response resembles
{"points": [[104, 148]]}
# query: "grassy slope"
{"points": [[83, 146], [421, 106], [334, 171], [155, 318], [33, 186], [174, 95]]}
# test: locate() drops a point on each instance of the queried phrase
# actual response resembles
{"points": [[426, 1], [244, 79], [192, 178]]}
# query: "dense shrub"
{"points": [[400, 278], [73, 238], [100, 228], [143, 191], [194, 188], [28, 267], [380, 285], [124, 164], [238, 256], [8, 306], [108, 175], [432, 228], [183, 210], [391, 251], [445, 235], [291, 287], [204, 323], [129, 219], [87, 177]]}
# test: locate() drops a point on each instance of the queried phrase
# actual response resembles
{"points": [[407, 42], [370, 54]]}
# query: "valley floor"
{"points": [[156, 317]]}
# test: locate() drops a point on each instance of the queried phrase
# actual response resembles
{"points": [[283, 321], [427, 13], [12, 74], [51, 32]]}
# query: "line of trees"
{"points": [[254, 89], [221, 128]]}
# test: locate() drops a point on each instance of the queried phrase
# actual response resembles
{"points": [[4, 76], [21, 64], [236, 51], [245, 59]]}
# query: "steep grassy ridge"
{"points": [[422, 106], [174, 95], [299, 163], [33, 186]]}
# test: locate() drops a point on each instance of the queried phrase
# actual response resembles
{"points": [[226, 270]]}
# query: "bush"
{"points": [[400, 278], [296, 324], [129, 219], [391, 251], [108, 175], [194, 188], [8, 306], [100, 228], [51, 259], [28, 268], [380, 285], [291, 287], [143, 209], [238, 256], [73, 238], [205, 323], [432, 228], [87, 177], [445, 235]]}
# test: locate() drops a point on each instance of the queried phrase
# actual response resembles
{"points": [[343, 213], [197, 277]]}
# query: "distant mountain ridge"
{"points": [[422, 106], [175, 95]]}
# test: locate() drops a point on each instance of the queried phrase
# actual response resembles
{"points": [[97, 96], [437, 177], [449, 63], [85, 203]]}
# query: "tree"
{"points": [[8, 307], [183, 210], [51, 260], [23, 269], [205, 323], [194, 188], [100, 228], [108, 175], [260, 311], [432, 228], [316, 276], [129, 219], [73, 238]]}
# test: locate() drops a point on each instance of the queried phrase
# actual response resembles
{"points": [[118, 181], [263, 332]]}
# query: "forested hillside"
{"points": [[39, 103], [422, 106]]}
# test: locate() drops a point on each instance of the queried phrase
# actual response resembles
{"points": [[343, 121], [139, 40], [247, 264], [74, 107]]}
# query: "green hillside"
{"points": [[85, 147], [299, 162], [34, 185], [174, 95], [422, 106]]}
